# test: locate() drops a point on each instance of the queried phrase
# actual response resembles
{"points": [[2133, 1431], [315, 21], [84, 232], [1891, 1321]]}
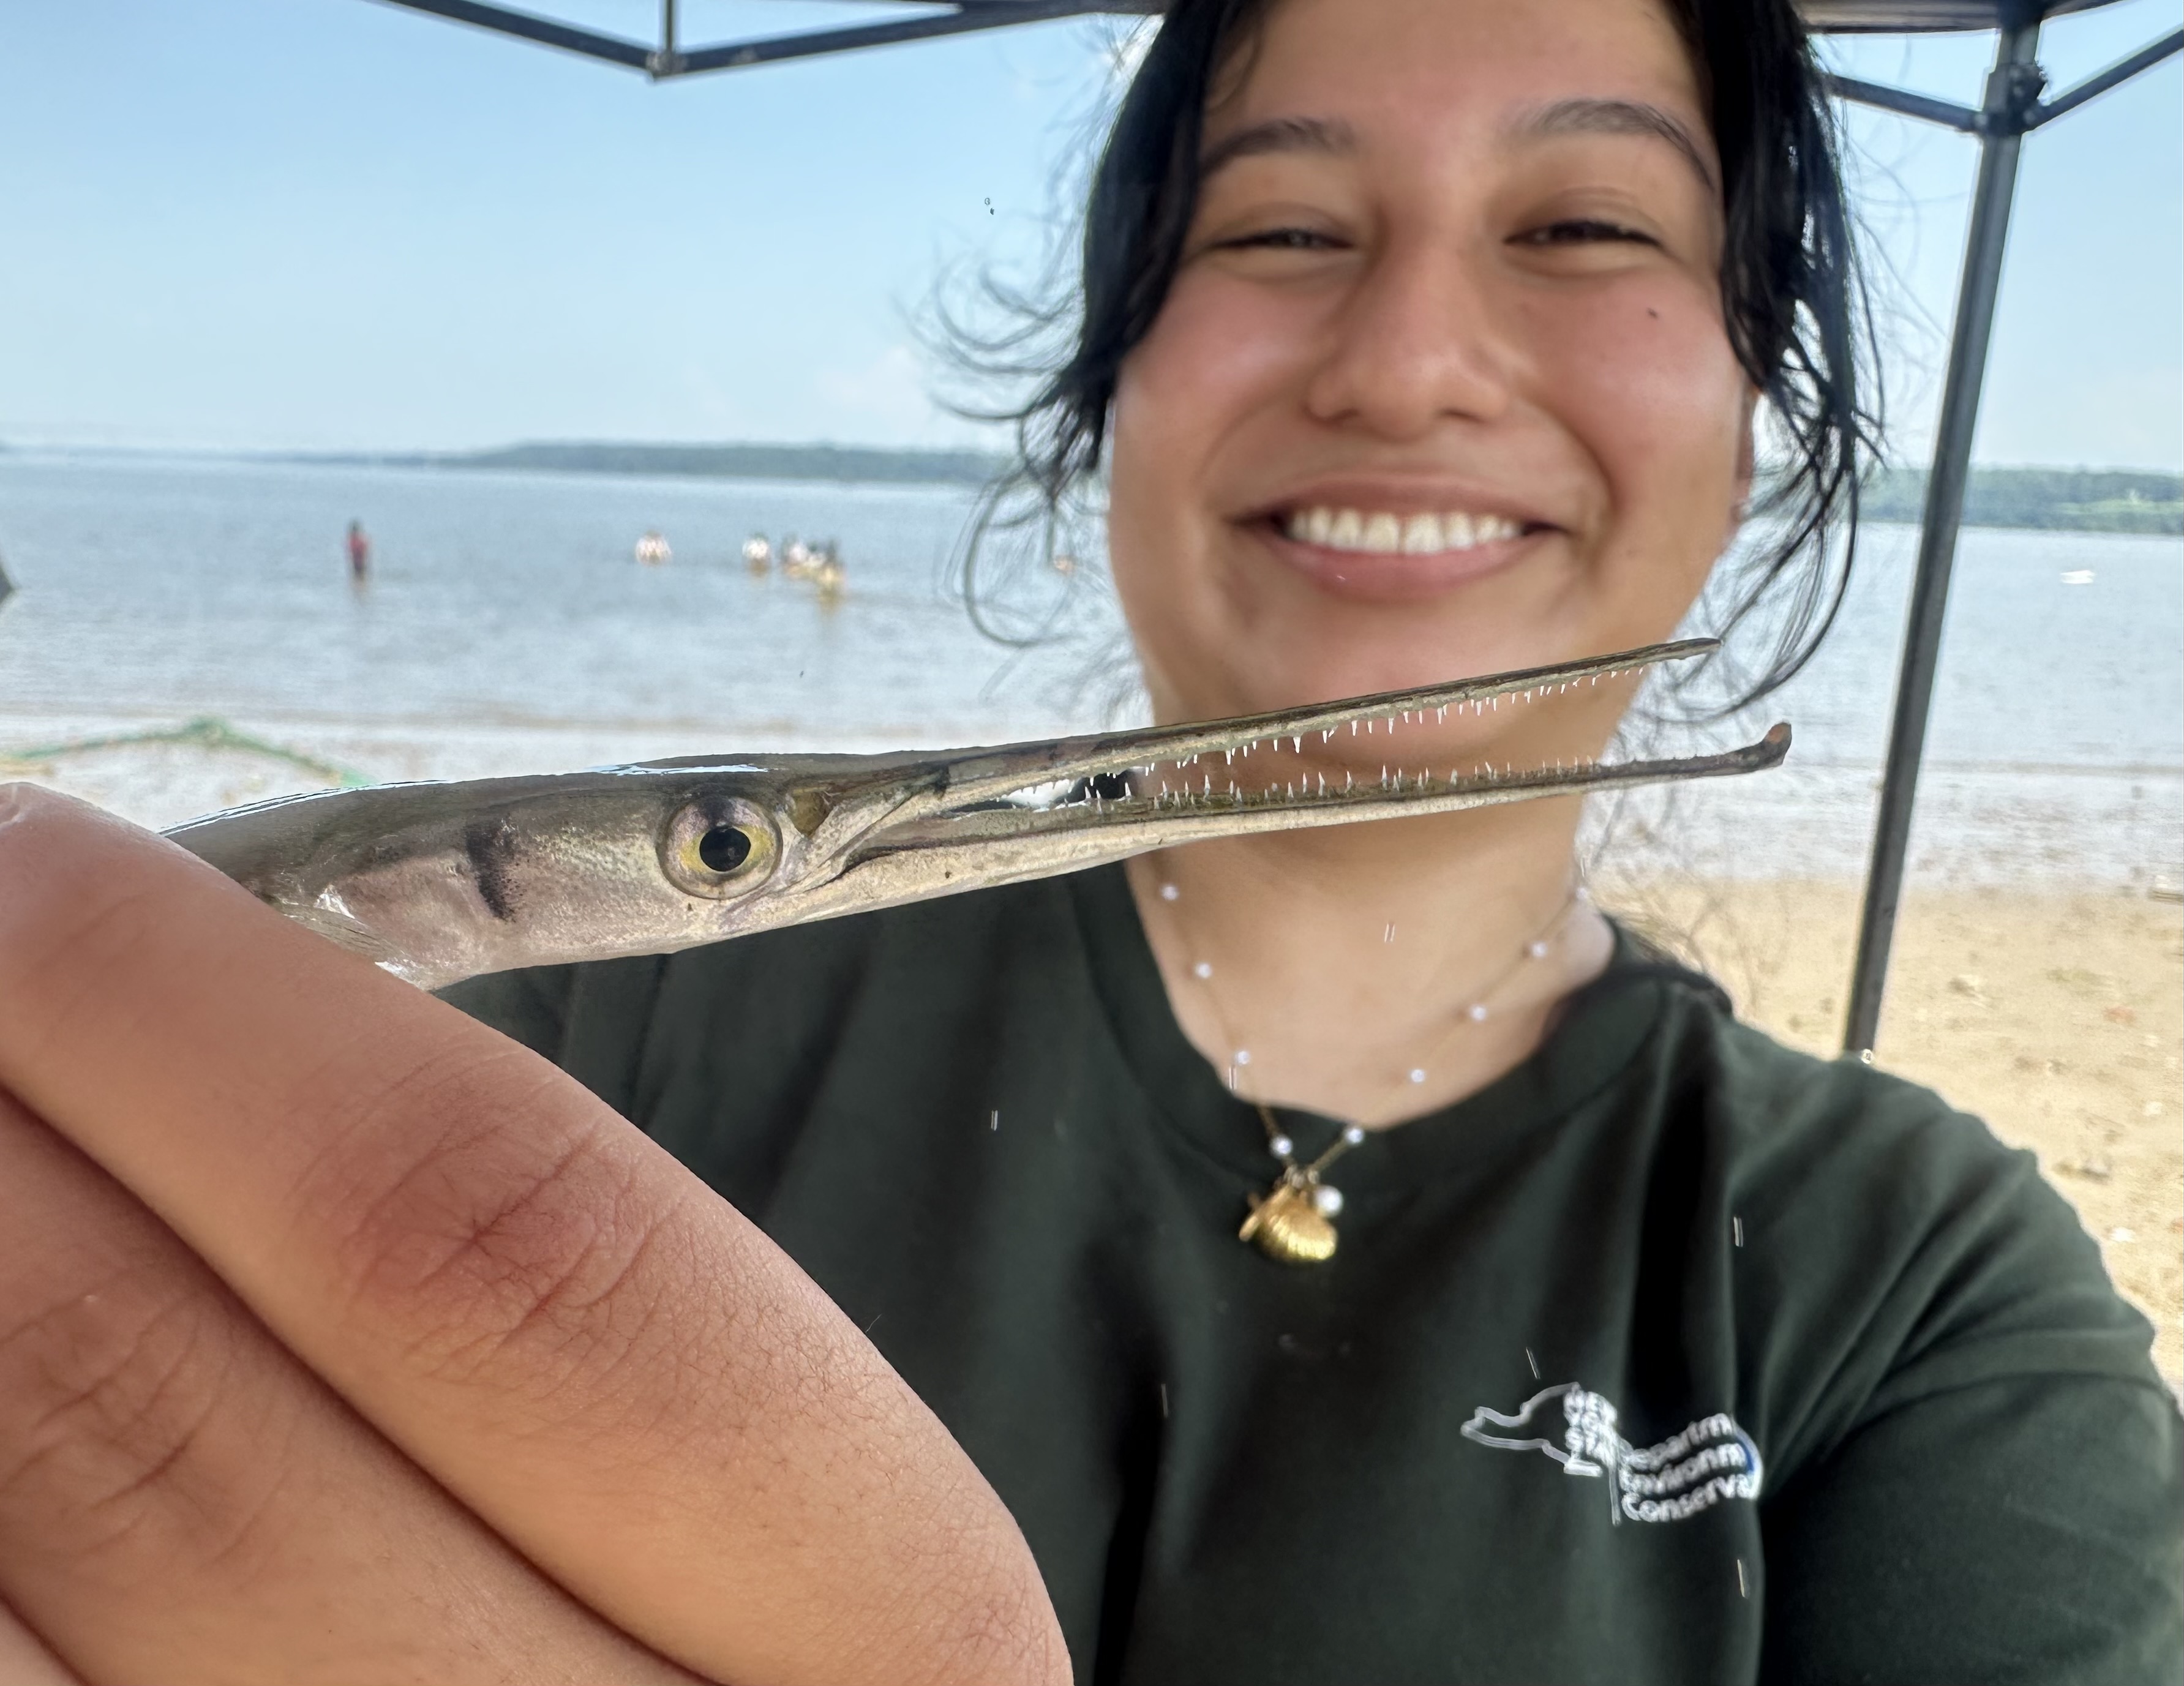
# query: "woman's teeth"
{"points": [[1387, 534]]}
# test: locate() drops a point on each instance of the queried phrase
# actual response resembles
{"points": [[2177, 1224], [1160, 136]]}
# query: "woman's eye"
{"points": [[1281, 240], [1582, 231]]}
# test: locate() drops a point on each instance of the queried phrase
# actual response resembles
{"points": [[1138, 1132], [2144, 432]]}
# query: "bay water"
{"points": [[505, 627]]}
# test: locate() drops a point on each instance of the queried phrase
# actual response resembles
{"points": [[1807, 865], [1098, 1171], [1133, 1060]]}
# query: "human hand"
{"points": [[342, 1339]]}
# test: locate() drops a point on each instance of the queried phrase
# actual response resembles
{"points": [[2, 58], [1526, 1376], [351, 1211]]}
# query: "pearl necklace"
{"points": [[1294, 1220]]}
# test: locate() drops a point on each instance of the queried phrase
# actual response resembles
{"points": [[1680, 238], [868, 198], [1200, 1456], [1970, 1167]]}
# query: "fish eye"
{"points": [[717, 846], [724, 847]]}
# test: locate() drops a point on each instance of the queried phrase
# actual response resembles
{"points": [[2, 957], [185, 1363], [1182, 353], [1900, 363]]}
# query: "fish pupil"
{"points": [[724, 848]]}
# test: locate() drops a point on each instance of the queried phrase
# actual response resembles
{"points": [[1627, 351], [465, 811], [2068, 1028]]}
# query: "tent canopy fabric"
{"points": [[1922, 17]]}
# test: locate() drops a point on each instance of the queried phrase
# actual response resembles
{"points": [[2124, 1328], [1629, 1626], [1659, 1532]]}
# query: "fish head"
{"points": [[443, 880]]}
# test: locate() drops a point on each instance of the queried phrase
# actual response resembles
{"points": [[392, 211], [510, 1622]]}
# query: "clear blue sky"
{"points": [[334, 224]]}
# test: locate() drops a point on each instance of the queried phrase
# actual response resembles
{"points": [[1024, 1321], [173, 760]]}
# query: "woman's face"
{"points": [[1442, 386]]}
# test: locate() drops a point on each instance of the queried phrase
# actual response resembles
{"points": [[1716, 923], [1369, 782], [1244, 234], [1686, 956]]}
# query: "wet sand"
{"points": [[2056, 1016]]}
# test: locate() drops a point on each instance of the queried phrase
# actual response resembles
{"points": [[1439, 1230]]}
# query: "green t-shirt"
{"points": [[1671, 1356]]}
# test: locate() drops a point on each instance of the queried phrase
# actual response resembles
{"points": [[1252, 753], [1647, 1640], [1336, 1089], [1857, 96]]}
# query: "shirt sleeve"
{"points": [[2023, 1528], [2003, 1499]]}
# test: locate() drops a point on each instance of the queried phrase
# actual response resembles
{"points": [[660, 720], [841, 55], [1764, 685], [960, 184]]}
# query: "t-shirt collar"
{"points": [[1599, 1035]]}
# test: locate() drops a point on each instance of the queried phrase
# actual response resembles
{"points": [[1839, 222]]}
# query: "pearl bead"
{"points": [[1203, 969], [1328, 1200], [1580, 894], [1281, 1147], [1169, 893], [1418, 1074], [1477, 1012], [1243, 1056], [1354, 1134], [1538, 948]]}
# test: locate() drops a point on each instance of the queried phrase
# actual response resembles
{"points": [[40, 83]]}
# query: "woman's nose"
{"points": [[1414, 344]]}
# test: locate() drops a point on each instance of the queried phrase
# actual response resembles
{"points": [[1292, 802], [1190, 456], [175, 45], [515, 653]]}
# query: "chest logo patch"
{"points": [[1693, 1469]]}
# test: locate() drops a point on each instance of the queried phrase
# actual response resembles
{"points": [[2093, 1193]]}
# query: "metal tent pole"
{"points": [[2013, 95]]}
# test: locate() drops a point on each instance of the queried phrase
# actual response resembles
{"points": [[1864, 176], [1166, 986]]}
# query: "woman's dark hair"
{"points": [[1790, 293]]}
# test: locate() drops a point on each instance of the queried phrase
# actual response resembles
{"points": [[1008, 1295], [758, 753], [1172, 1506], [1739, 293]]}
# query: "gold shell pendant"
{"points": [[1286, 1224]]}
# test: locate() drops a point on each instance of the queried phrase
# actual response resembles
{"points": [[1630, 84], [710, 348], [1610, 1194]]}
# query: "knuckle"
{"points": [[108, 1398], [477, 1231]]}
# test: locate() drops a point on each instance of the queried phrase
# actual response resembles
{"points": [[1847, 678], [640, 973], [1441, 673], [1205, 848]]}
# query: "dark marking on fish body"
{"points": [[490, 843]]}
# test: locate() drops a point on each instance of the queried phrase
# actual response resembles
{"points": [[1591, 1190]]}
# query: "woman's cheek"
{"points": [[1649, 385], [1656, 394], [1192, 394], [1166, 399], [1160, 423], [1219, 350]]}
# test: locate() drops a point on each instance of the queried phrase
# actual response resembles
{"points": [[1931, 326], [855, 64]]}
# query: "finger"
{"points": [[181, 1501], [606, 1362], [25, 1661]]}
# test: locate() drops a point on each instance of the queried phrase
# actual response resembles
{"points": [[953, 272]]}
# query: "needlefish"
{"points": [[441, 882]]}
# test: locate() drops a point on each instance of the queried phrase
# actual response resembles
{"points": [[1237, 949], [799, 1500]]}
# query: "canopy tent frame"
{"points": [[670, 59], [2011, 107]]}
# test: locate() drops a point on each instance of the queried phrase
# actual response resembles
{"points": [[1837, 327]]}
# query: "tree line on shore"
{"points": [[2082, 500], [2076, 500], [2051, 499]]}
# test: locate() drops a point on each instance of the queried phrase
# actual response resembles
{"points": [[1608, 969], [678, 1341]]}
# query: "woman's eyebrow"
{"points": [[1617, 117], [1328, 135]]}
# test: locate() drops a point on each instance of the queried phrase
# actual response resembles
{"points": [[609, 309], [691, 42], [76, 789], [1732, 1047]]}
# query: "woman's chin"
{"points": [[1382, 576]]}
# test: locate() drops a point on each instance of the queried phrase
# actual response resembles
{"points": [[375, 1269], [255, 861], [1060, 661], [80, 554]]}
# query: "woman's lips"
{"points": [[1391, 558]]}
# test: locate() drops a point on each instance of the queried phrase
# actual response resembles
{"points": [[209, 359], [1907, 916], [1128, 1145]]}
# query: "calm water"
{"points": [[162, 589], [179, 588]]}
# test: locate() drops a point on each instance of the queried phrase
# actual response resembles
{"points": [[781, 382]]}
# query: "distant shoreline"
{"points": [[861, 464], [2041, 499], [2142, 501]]}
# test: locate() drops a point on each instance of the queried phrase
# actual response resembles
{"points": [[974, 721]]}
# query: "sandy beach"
{"points": [[2057, 1015]]}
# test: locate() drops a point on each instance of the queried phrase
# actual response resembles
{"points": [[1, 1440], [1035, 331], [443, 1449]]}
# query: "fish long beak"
{"points": [[1001, 815], [442, 882]]}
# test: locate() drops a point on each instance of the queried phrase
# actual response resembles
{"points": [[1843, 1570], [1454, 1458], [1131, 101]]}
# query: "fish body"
{"points": [[441, 882]]}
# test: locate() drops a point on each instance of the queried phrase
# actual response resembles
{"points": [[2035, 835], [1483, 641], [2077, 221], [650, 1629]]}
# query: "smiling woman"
{"points": [[1325, 1255], [1759, 223], [1417, 338]]}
